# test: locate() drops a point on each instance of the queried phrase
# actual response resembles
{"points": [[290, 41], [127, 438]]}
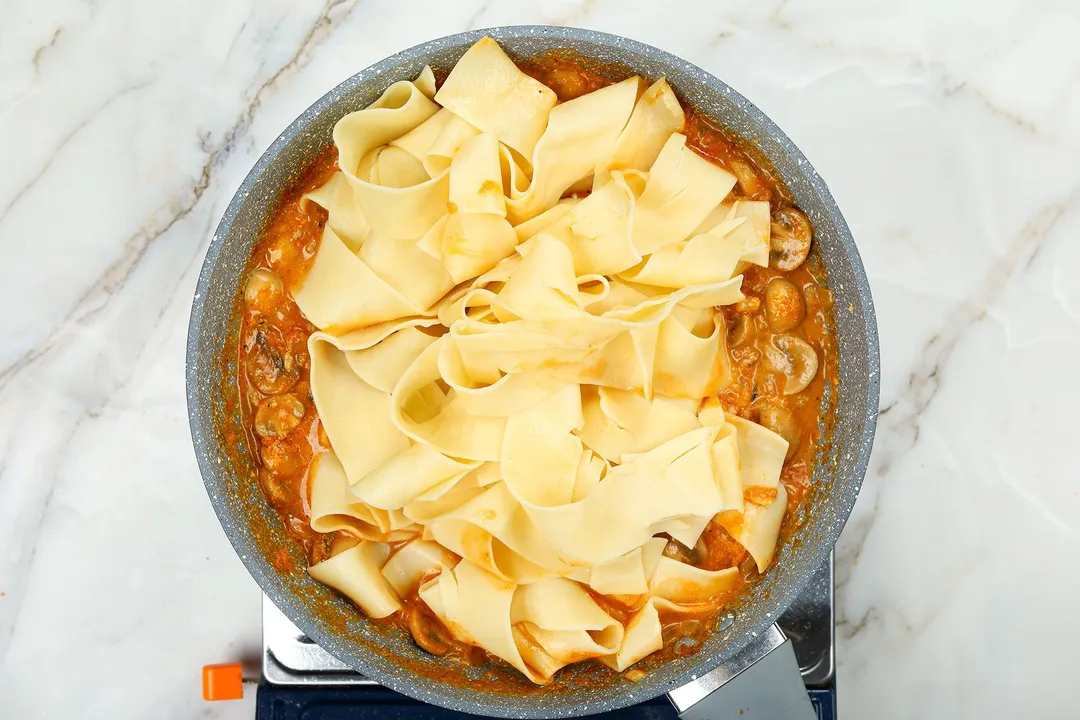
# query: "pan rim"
{"points": [[374, 665]]}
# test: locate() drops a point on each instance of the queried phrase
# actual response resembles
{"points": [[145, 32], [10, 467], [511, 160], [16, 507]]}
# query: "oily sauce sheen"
{"points": [[282, 426]]}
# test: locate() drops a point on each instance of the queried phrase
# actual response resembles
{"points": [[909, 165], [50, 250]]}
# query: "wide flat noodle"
{"points": [[333, 508], [619, 421], [520, 387], [713, 256], [391, 210], [356, 573], [682, 583], [579, 134], [675, 479], [420, 278], [341, 291], [681, 191], [408, 476], [488, 90], [419, 558], [656, 116], [643, 634], [436, 141], [381, 364], [628, 574], [343, 214], [759, 527], [356, 415], [474, 235], [494, 531], [761, 453], [598, 230], [537, 628], [421, 410]]}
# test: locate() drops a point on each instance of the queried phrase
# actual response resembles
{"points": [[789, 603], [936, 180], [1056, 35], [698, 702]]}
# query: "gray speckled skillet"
{"points": [[254, 528]]}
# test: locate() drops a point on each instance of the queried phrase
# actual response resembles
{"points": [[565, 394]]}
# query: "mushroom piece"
{"points": [[271, 366], [750, 181], [677, 551], [784, 305], [790, 241], [795, 359], [263, 290], [280, 459], [749, 304], [782, 422], [277, 490], [278, 416], [742, 330], [427, 630]]}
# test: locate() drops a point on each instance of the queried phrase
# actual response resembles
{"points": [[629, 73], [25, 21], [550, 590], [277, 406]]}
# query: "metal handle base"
{"points": [[762, 682]]}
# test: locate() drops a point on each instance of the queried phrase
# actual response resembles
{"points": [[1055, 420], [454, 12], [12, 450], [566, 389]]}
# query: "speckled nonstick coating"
{"points": [[249, 521]]}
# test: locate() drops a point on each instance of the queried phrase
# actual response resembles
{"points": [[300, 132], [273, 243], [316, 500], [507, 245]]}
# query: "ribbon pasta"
{"points": [[511, 380]]}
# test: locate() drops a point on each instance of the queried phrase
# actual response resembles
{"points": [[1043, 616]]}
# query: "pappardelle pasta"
{"points": [[533, 365]]}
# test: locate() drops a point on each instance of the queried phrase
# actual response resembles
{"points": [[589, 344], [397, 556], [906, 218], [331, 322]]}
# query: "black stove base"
{"points": [[279, 702]]}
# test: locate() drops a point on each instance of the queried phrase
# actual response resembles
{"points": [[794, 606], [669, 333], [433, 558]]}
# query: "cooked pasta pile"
{"points": [[518, 346]]}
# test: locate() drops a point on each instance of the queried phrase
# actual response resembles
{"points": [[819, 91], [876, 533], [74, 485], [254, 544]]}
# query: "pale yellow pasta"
{"points": [[514, 383], [579, 134], [512, 105], [341, 291], [357, 574], [656, 116], [737, 240], [405, 568], [355, 414]]}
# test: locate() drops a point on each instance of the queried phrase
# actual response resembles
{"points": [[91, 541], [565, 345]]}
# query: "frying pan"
{"points": [[746, 647]]}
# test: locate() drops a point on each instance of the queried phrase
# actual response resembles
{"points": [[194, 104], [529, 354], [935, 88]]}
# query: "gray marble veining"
{"points": [[945, 131]]}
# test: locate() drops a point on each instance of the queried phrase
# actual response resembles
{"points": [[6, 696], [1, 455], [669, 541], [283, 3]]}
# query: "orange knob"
{"points": [[222, 682]]}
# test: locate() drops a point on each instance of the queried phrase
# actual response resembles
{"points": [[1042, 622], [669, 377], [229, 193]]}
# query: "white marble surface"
{"points": [[949, 132]]}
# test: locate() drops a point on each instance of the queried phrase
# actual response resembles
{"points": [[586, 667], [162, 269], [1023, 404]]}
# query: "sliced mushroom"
{"points": [[818, 295], [279, 415], [782, 422], [748, 304], [749, 179], [792, 234], [296, 345], [263, 290], [427, 630], [277, 490], [677, 551], [795, 359], [784, 305], [271, 366], [280, 459], [742, 330]]}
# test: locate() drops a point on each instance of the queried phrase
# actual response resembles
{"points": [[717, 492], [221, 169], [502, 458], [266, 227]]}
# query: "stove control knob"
{"points": [[222, 682]]}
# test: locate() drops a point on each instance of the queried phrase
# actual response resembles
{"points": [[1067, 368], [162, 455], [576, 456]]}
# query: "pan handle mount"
{"points": [[762, 682]]}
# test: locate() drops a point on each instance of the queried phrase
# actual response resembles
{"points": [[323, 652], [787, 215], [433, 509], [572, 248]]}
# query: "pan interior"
{"points": [[387, 656]]}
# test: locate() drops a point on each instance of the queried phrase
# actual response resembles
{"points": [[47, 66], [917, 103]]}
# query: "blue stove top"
{"points": [[277, 702]]}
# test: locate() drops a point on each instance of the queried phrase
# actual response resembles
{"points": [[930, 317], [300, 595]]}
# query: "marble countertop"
{"points": [[948, 131]]}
